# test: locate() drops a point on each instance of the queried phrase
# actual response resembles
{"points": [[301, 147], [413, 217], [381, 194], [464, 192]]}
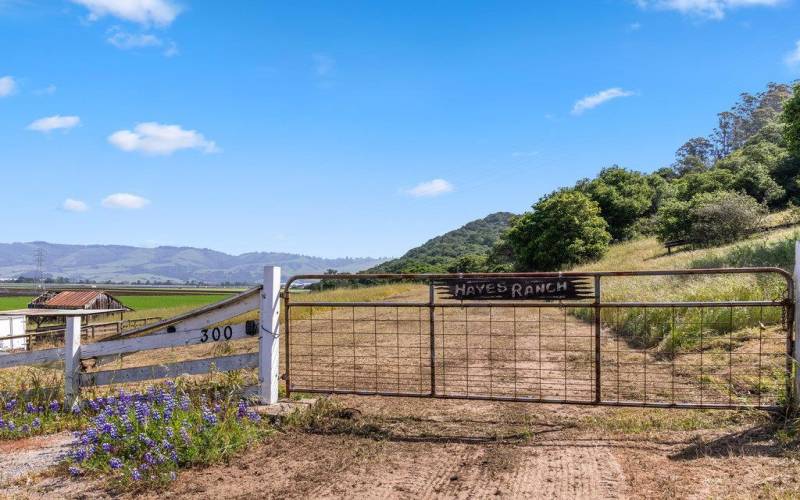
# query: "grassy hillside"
{"points": [[435, 255], [671, 330]]}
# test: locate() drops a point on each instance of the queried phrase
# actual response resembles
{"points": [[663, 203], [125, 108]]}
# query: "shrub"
{"points": [[718, 218], [468, 264], [564, 228], [709, 218]]}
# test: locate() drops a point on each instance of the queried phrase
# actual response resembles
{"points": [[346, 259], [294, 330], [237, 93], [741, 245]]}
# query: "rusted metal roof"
{"points": [[73, 298]]}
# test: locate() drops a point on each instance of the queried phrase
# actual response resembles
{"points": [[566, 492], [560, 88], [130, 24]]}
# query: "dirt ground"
{"points": [[417, 448]]}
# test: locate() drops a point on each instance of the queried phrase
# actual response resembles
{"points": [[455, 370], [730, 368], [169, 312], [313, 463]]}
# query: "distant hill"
{"points": [[121, 264], [476, 237]]}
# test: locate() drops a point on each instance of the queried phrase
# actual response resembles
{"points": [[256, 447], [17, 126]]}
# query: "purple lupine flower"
{"points": [[135, 474], [208, 417], [54, 405], [74, 471], [170, 433], [174, 456], [25, 429], [185, 435], [36, 423], [29, 408], [106, 447], [149, 459], [155, 415], [185, 402], [217, 408], [79, 455], [253, 416], [11, 425], [242, 409], [2, 423], [94, 405], [115, 463], [142, 410], [11, 405], [76, 410]]}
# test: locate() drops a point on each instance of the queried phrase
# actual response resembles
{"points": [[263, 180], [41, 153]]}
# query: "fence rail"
{"points": [[204, 326]]}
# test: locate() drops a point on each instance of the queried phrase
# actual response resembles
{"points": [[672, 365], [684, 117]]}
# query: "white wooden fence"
{"points": [[206, 325]]}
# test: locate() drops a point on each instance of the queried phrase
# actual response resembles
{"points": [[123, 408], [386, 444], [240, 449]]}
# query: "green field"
{"points": [[7, 303], [136, 302], [144, 302]]}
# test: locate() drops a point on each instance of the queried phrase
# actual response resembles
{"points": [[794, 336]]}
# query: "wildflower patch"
{"points": [[147, 437]]}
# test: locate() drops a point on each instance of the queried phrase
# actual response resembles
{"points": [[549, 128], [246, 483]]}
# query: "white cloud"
{"points": [[54, 122], [125, 200], [7, 86], [432, 188], [49, 90], [711, 9], [594, 100], [145, 12], [635, 26], [323, 64], [793, 58], [159, 139], [124, 40], [71, 205]]}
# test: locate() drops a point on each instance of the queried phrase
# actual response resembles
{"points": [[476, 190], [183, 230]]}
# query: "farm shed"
{"points": [[95, 300]]}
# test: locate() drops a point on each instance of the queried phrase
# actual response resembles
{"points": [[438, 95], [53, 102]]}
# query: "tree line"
{"points": [[717, 190]]}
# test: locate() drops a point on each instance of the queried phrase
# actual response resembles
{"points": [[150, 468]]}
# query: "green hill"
{"points": [[435, 255]]}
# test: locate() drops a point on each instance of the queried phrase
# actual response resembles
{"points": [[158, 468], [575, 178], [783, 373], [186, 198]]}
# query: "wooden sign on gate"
{"points": [[516, 288]]}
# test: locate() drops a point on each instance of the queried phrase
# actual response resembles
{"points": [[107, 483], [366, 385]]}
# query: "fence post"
{"points": [[269, 342], [72, 361]]}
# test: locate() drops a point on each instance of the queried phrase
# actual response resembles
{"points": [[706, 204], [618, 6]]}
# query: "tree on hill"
{"points": [[623, 196], [564, 228], [791, 117]]}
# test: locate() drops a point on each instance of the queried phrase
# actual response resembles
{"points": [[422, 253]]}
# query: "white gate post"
{"points": [[72, 361], [269, 343]]}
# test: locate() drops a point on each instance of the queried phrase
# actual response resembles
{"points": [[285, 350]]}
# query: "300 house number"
{"points": [[215, 335]]}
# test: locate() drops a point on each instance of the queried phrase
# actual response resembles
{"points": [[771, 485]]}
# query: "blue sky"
{"points": [[350, 128]]}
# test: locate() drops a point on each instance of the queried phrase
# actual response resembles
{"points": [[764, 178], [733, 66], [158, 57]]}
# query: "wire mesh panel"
{"points": [[710, 353], [538, 353], [380, 350], [705, 355]]}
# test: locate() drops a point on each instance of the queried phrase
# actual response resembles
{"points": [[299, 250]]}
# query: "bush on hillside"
{"points": [[623, 195], [471, 263], [564, 228], [710, 218]]}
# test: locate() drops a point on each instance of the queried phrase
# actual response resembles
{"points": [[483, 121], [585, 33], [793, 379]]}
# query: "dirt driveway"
{"points": [[410, 448]]}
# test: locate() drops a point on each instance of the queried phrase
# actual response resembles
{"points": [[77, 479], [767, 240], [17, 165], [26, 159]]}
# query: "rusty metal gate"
{"points": [[699, 338]]}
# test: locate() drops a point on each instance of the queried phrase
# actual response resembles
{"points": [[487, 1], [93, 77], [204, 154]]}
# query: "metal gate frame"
{"points": [[596, 304]]}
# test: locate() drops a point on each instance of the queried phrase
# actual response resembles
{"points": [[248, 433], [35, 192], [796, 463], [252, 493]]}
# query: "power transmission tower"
{"points": [[39, 255]]}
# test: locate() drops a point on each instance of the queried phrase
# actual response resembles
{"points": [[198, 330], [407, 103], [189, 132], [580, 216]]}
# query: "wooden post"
{"points": [[72, 361], [269, 342]]}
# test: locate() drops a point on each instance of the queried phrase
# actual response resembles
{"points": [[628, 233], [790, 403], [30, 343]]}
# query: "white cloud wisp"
{"points": [[594, 100], [160, 139], [429, 189]]}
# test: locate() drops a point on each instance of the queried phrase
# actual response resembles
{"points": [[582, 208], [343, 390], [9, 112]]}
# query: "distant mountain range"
{"points": [[121, 264]]}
